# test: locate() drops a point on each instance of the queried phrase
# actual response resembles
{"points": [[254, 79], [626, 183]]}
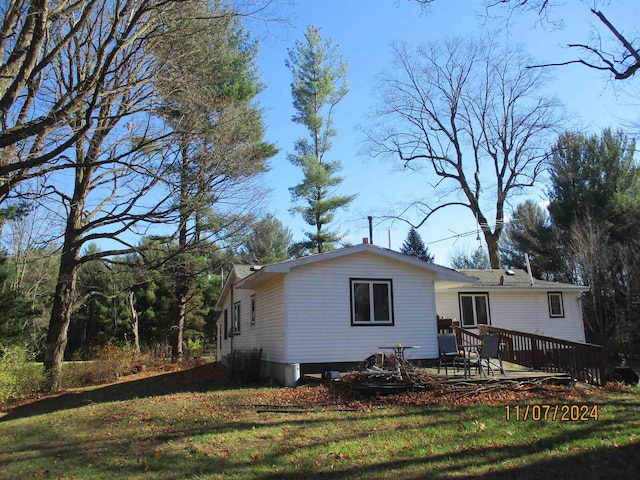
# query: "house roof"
{"points": [[278, 269], [237, 273], [242, 271], [517, 279]]}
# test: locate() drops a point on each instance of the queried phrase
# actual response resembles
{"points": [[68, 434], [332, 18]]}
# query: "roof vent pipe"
{"points": [[370, 218]]}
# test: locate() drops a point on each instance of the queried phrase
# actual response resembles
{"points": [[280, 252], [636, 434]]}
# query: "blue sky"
{"points": [[364, 29]]}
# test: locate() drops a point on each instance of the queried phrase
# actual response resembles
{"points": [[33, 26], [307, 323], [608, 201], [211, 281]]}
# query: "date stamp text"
{"points": [[551, 413]]}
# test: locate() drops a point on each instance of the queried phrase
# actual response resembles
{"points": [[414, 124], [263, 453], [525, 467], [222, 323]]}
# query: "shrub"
{"points": [[194, 349], [107, 364], [156, 354], [20, 376]]}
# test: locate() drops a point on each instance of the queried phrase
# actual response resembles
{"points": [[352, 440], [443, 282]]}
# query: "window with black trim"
{"points": [[556, 305], [474, 309], [253, 309], [371, 301], [226, 323], [236, 318]]}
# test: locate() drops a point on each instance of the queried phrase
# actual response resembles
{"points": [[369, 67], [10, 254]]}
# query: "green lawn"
{"points": [[174, 427]]}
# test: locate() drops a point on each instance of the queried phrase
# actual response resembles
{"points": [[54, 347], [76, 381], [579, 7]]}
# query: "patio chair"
{"points": [[450, 354], [489, 348]]}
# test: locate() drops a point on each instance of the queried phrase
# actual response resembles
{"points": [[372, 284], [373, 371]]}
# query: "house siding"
{"points": [[318, 319], [245, 338], [268, 333], [525, 312]]}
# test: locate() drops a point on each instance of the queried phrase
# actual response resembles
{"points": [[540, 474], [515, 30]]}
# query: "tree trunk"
{"points": [[134, 324], [491, 238], [63, 298], [183, 278], [176, 348], [494, 251]]}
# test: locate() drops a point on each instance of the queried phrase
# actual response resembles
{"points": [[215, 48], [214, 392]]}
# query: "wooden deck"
{"points": [[512, 372]]}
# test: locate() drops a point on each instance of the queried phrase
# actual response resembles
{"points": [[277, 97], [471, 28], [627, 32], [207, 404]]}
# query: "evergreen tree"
{"points": [[319, 83], [16, 309], [590, 177], [268, 243], [208, 90], [414, 246], [530, 231], [477, 260], [594, 192]]}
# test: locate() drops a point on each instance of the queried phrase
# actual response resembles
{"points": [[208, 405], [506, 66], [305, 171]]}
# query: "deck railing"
{"points": [[583, 361], [466, 337]]}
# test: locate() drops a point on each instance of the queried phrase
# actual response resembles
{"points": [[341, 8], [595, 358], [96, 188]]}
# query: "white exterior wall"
{"points": [[525, 312], [318, 311], [268, 331], [242, 341]]}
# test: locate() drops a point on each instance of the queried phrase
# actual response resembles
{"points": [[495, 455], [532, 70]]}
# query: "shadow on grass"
{"points": [[561, 460], [203, 378]]}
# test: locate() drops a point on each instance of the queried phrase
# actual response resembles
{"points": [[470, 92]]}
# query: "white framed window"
{"points": [[253, 310], [474, 309], [556, 305], [236, 318], [371, 301]]}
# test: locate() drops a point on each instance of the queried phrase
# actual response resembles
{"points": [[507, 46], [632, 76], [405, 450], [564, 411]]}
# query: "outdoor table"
{"points": [[399, 349]]}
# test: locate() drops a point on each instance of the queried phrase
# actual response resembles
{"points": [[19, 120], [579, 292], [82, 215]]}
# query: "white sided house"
{"points": [[513, 300], [335, 308]]}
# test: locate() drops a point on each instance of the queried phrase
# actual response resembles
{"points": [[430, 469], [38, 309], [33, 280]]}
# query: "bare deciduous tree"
{"points": [[610, 307], [109, 178], [470, 114], [28, 49], [37, 100], [613, 51]]}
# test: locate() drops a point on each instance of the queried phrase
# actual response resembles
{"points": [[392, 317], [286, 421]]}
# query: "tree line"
{"points": [[589, 233]]}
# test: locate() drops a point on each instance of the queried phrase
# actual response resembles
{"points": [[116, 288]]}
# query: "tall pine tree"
{"points": [[208, 89], [319, 83]]}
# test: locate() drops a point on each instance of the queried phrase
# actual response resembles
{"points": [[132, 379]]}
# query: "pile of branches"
{"points": [[377, 376], [334, 395]]}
